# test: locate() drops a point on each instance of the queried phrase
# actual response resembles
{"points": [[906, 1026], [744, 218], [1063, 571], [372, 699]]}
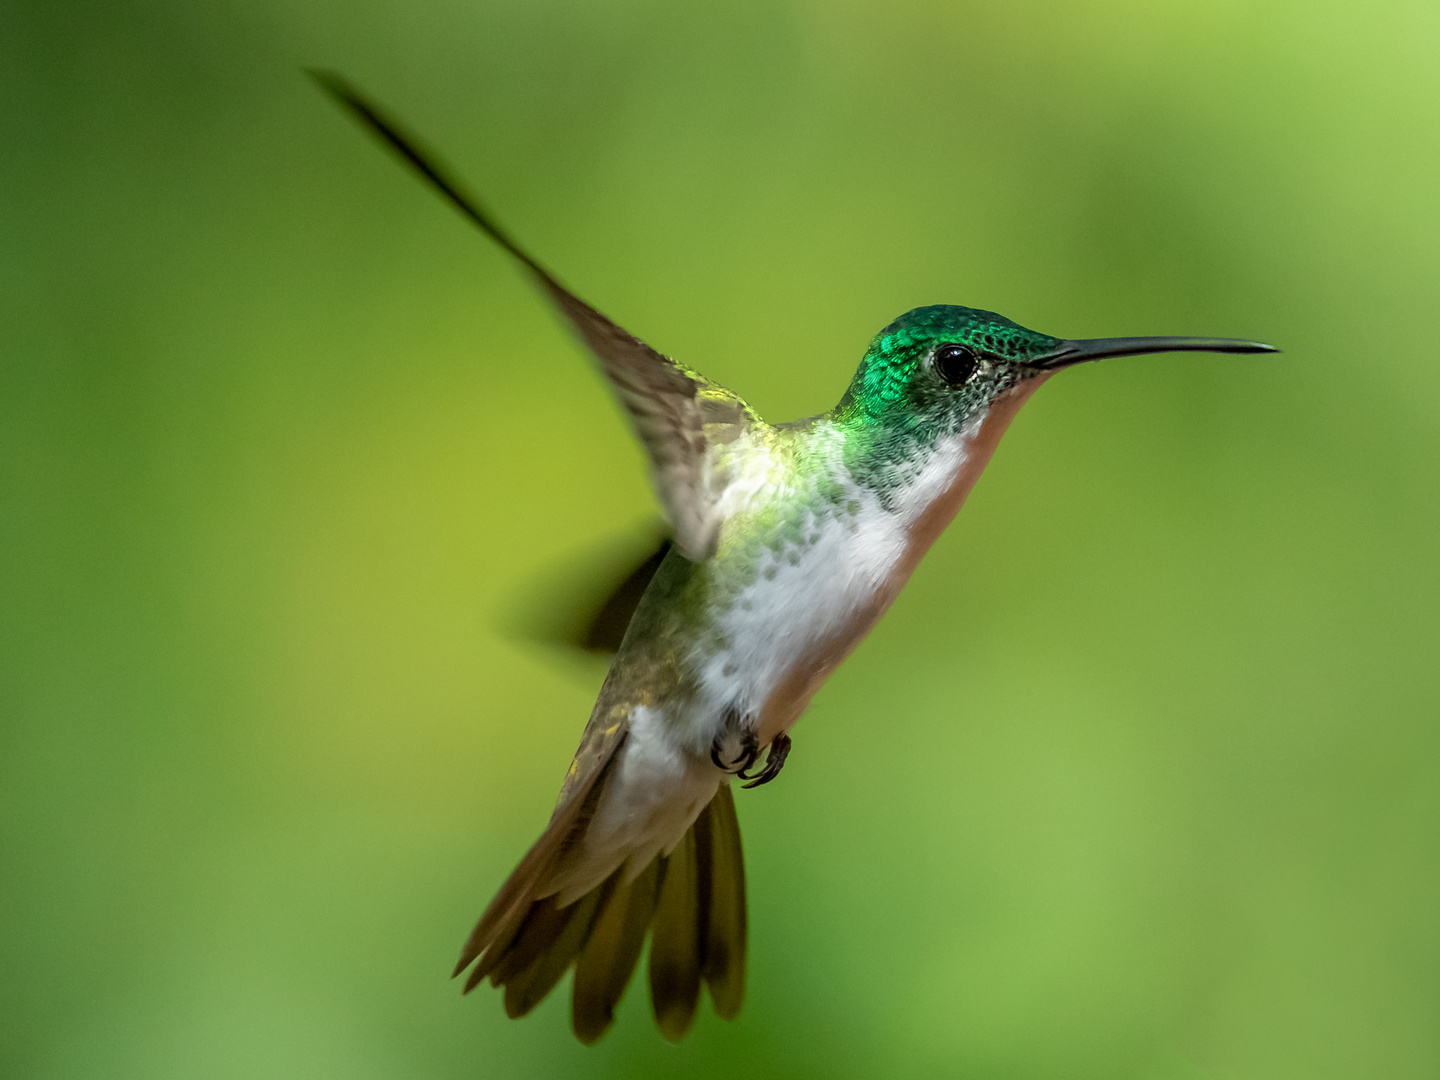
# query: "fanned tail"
{"points": [[691, 902]]}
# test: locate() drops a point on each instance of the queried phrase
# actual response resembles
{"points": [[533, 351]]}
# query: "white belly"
{"points": [[779, 640], [809, 606]]}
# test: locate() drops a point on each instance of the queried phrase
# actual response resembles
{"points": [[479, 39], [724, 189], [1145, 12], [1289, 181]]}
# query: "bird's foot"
{"points": [[737, 766], [774, 762]]}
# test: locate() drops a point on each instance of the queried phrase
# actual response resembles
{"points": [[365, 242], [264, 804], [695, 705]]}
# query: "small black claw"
{"points": [[749, 752], [774, 761]]}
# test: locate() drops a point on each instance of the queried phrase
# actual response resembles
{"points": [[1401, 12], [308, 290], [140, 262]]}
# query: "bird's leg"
{"points": [[749, 747], [774, 761]]}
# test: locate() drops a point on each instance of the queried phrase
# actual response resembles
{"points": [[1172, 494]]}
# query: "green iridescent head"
{"points": [[935, 368]]}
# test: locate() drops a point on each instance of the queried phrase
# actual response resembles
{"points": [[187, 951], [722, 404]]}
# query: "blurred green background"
{"points": [[1138, 778]]}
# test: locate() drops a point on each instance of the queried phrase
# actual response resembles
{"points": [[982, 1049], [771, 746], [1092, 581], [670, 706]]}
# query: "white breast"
{"points": [[823, 597], [822, 601]]}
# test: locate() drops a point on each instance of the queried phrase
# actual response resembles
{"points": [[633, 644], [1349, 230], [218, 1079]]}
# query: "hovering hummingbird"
{"points": [[788, 542]]}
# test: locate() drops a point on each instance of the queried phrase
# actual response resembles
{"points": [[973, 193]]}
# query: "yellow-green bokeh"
{"points": [[1137, 780]]}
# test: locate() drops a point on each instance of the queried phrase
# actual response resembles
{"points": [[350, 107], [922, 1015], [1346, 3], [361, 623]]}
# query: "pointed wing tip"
{"points": [[334, 84], [345, 94]]}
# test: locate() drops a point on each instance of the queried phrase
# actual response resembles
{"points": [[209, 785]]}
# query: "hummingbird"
{"points": [[788, 541]]}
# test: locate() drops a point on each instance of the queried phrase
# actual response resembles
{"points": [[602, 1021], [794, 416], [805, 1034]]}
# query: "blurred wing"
{"points": [[587, 599], [682, 418], [606, 628]]}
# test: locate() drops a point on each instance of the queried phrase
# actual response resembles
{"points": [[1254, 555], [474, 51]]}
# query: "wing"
{"points": [[606, 628], [684, 420]]}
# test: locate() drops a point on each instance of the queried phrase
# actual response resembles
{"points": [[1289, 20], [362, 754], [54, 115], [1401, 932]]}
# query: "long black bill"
{"points": [[1085, 349]]}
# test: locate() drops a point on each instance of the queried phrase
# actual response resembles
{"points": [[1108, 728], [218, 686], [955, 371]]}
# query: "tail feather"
{"points": [[516, 896], [496, 951], [525, 988], [692, 902], [676, 941], [723, 878], [543, 925], [616, 938]]}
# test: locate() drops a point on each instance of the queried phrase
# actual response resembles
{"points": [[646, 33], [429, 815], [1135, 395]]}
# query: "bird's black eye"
{"points": [[955, 363]]}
